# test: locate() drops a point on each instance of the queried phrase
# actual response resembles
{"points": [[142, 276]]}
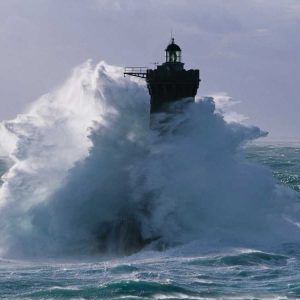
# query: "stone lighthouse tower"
{"points": [[169, 81]]}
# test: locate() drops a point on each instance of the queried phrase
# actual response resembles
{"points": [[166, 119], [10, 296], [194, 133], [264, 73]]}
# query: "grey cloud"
{"points": [[248, 49]]}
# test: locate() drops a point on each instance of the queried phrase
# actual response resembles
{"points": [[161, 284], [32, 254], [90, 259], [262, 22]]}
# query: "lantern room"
{"points": [[173, 53]]}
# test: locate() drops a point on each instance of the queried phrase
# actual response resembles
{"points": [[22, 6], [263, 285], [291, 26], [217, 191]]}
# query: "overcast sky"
{"points": [[249, 49]]}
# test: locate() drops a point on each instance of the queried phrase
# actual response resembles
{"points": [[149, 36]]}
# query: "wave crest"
{"points": [[90, 175]]}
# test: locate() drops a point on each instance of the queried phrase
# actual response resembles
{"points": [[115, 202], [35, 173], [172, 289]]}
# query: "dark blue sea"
{"points": [[174, 273]]}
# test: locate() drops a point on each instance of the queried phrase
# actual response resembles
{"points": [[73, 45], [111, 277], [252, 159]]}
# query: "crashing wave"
{"points": [[93, 173]]}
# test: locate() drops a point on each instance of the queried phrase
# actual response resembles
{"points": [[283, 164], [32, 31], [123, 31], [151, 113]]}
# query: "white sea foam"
{"points": [[88, 170]]}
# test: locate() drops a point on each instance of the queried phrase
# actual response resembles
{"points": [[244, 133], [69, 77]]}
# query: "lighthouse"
{"points": [[170, 81]]}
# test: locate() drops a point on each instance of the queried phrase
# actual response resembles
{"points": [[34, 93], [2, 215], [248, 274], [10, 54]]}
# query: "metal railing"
{"points": [[142, 70]]}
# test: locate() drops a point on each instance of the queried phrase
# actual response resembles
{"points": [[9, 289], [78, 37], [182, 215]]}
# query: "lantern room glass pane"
{"points": [[173, 56]]}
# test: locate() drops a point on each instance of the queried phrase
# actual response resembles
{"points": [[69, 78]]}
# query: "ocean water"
{"points": [[176, 273], [98, 201], [282, 158]]}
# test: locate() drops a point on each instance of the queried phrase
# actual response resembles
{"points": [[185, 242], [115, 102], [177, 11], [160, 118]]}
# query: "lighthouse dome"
{"points": [[173, 47]]}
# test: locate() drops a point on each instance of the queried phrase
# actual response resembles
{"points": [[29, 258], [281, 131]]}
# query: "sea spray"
{"points": [[57, 132], [94, 173], [207, 190]]}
